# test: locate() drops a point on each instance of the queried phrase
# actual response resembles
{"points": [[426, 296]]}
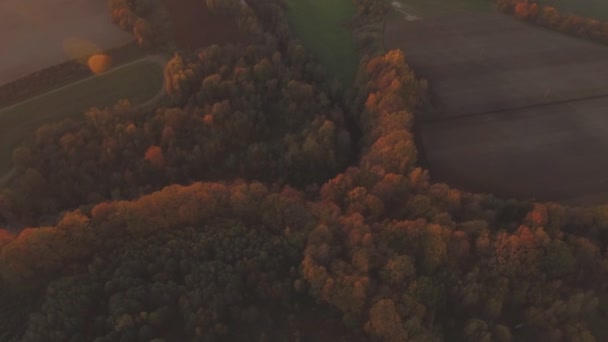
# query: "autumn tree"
{"points": [[522, 10], [154, 155]]}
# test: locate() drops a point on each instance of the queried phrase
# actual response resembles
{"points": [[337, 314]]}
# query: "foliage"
{"points": [[396, 256], [550, 17], [180, 264], [137, 82], [146, 19], [237, 113]]}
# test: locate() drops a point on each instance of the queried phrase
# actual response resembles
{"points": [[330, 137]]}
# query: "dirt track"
{"points": [[520, 111], [36, 34]]}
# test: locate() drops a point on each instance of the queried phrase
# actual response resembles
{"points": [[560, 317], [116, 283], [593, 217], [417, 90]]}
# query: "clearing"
{"points": [[519, 111], [137, 81], [322, 27], [37, 34], [194, 26]]}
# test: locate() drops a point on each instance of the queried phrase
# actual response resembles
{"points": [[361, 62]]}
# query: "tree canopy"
{"points": [[236, 213]]}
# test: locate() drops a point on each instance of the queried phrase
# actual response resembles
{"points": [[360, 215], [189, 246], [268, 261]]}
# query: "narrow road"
{"points": [[160, 59]]}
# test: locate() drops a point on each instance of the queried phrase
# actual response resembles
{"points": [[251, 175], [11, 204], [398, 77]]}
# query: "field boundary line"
{"points": [[510, 109], [152, 58]]}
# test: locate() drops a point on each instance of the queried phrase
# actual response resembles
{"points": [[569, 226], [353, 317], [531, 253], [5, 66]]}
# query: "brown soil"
{"points": [[195, 26], [519, 110]]}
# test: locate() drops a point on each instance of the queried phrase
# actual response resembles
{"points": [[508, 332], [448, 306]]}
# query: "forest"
{"points": [[265, 201]]}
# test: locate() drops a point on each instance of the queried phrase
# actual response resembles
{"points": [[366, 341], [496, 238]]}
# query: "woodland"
{"points": [[268, 202]]}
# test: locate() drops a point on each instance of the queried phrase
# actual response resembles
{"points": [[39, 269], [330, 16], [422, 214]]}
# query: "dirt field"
{"points": [[194, 26], [36, 34], [520, 111]]}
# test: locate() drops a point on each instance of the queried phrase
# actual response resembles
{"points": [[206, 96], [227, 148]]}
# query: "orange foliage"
{"points": [[208, 119], [155, 156], [25, 234], [371, 101], [395, 152], [533, 10], [5, 237], [73, 221], [538, 216], [123, 12], [100, 63], [386, 80], [522, 10], [131, 129], [101, 211], [335, 189], [385, 322]]}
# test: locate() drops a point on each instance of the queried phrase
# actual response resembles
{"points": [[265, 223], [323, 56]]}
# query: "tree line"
{"points": [[550, 17], [147, 20]]}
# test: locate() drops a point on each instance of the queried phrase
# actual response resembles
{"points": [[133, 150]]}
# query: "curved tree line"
{"points": [[550, 17], [382, 249], [145, 19]]}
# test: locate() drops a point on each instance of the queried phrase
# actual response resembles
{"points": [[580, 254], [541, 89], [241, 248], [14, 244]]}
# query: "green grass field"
{"points": [[137, 82], [589, 8], [422, 8], [321, 25]]}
